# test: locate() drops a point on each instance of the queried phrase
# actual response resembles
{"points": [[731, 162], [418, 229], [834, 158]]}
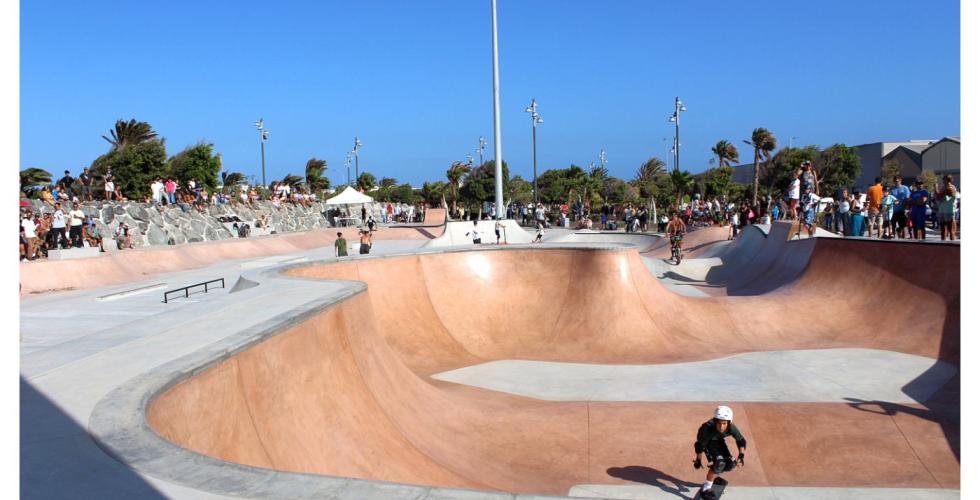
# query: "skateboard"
{"points": [[718, 488]]}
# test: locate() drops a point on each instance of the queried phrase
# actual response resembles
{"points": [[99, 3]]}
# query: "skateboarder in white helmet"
{"points": [[711, 443]]}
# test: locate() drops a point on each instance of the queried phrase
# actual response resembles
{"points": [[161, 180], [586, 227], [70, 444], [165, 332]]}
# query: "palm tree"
{"points": [[763, 142], [130, 133], [293, 181], [231, 179], [315, 168], [726, 153], [681, 180], [387, 182], [31, 178], [650, 170], [455, 177]]}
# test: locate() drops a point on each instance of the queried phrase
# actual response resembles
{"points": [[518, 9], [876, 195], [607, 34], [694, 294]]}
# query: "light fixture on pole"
{"points": [[469, 159], [602, 158], [498, 154], [347, 163], [483, 145], [676, 120], [535, 120], [263, 136], [357, 162]]}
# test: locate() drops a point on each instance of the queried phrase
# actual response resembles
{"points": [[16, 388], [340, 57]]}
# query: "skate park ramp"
{"points": [[459, 233], [349, 391]]}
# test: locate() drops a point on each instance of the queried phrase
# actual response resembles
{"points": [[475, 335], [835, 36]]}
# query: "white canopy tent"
{"points": [[349, 196]]}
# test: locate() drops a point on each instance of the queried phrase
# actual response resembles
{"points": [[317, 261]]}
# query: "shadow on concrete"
{"points": [[653, 477], [58, 458], [942, 408]]}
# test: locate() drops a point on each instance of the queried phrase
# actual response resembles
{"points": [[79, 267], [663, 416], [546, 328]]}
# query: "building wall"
{"points": [[870, 155], [943, 156], [909, 162]]}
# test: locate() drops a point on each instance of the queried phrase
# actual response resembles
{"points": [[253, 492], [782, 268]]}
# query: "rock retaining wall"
{"points": [[181, 223]]}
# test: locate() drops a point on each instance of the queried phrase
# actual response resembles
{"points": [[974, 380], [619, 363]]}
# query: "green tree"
{"points": [[681, 182], [763, 142], [315, 179], [929, 178], [521, 191], [133, 167], [618, 191], [837, 167], [454, 177], [33, 179], [726, 153], [647, 176], [130, 133], [480, 184], [366, 181], [561, 185], [295, 182], [404, 193], [778, 174], [433, 192], [387, 182], [890, 170], [231, 179], [198, 162], [718, 181]]}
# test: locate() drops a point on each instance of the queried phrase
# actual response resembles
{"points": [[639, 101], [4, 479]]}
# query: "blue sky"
{"points": [[412, 79]]}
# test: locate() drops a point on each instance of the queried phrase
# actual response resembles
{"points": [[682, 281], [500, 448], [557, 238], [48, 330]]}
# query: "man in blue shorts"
{"points": [[917, 212]]}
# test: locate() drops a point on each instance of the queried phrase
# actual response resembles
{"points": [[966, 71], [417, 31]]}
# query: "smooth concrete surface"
{"points": [[674, 489], [812, 375], [367, 349]]}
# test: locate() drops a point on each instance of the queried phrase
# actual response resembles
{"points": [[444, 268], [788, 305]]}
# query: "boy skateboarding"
{"points": [[711, 443]]}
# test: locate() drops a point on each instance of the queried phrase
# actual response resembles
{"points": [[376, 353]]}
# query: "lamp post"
{"points": [[263, 136], [602, 158], [347, 163], [535, 120], [469, 159], [666, 153], [483, 145], [357, 162], [498, 154], [676, 120]]}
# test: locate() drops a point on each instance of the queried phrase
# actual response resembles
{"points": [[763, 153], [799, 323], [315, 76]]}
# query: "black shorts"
{"points": [[365, 249], [898, 219], [477, 241], [717, 449]]}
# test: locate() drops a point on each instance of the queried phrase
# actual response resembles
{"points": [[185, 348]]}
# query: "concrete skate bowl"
{"points": [[347, 390]]}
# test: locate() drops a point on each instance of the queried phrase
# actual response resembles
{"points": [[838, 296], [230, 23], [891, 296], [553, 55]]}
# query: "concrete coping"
{"points": [[119, 426]]}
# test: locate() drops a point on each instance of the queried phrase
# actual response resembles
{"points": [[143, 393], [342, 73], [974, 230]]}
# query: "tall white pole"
{"points": [[498, 155]]}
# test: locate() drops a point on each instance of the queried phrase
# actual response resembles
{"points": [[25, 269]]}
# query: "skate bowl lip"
{"points": [[119, 424]]}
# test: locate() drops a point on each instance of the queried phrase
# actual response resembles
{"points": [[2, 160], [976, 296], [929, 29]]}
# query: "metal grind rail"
{"points": [[187, 289]]}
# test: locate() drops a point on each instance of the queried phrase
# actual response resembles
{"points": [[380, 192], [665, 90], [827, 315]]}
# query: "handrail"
{"points": [[186, 289]]}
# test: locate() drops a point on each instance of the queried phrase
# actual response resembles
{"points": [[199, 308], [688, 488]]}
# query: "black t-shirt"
{"points": [[85, 179], [66, 181]]}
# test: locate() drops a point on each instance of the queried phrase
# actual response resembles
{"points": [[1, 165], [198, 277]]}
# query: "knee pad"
{"points": [[719, 465], [729, 464]]}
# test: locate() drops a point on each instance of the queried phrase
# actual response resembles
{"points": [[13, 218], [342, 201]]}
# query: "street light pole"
{"points": [[499, 170], [263, 136], [676, 119], [483, 145], [535, 120], [357, 160], [347, 163]]}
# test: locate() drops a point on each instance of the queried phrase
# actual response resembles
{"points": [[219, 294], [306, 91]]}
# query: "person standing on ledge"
{"points": [[340, 246], [711, 442]]}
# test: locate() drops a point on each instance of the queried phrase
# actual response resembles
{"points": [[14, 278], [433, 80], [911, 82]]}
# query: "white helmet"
{"points": [[723, 413]]}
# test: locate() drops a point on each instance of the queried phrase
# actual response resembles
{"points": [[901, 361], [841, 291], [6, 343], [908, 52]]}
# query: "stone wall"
{"points": [[182, 223]]}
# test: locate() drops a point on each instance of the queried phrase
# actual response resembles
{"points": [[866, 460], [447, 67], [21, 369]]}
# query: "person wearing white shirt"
{"points": [[30, 234], [475, 232], [156, 188], [75, 219], [57, 232]]}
